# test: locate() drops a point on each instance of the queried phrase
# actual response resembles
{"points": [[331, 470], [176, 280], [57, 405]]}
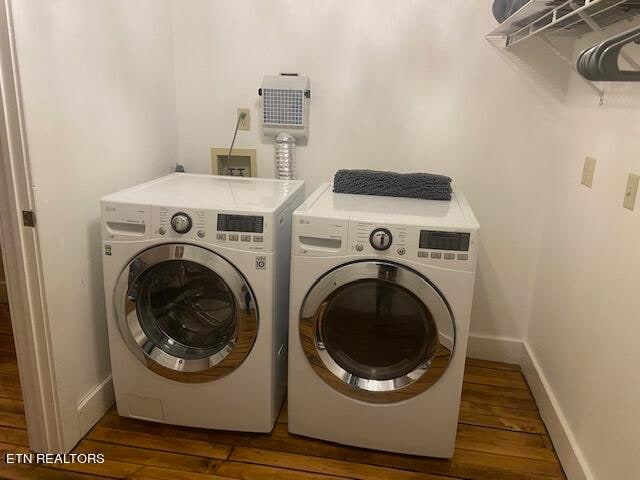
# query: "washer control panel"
{"points": [[244, 232]]}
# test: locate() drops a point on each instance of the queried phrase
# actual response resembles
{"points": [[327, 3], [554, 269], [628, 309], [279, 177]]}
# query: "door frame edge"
{"points": [[21, 254]]}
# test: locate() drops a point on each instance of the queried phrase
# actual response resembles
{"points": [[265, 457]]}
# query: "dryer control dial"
{"points": [[181, 222], [381, 239]]}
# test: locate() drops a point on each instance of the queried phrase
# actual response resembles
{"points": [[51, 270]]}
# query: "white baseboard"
{"points": [[571, 458], [495, 349], [511, 350], [95, 404]]}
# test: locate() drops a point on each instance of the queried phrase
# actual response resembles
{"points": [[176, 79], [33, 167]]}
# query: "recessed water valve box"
{"points": [[242, 162]]}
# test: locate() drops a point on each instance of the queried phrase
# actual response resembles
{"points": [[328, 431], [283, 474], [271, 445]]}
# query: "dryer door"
{"points": [[186, 312], [377, 331]]}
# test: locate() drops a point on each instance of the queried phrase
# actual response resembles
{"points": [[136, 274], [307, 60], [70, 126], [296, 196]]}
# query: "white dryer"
{"points": [[196, 274], [381, 292]]}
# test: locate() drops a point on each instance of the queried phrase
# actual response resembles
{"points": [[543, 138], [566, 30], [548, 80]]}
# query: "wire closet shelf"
{"points": [[567, 17]]}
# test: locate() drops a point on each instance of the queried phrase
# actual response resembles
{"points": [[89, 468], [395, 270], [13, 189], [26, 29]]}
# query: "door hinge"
{"points": [[28, 218]]}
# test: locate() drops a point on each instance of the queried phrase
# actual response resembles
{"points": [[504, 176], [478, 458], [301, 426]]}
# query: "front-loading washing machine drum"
{"points": [[186, 312], [377, 331]]}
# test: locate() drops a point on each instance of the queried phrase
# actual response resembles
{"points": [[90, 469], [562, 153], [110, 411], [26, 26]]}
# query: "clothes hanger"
{"points": [[600, 62], [583, 63], [608, 62]]}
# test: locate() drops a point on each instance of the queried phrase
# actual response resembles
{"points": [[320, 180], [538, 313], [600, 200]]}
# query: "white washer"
{"points": [[381, 292], [196, 273]]}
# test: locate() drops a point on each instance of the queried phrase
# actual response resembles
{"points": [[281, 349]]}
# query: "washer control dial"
{"points": [[381, 239], [181, 222]]}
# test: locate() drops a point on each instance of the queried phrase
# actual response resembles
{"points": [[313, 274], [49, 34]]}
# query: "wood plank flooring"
{"points": [[500, 437]]}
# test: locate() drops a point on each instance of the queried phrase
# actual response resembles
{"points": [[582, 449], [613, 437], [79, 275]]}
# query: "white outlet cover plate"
{"points": [[246, 123]]}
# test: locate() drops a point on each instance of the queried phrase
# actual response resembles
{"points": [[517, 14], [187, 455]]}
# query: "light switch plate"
{"points": [[588, 171], [631, 191]]}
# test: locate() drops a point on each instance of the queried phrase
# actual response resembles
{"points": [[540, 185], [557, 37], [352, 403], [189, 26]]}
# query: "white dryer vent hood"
{"points": [[285, 105]]}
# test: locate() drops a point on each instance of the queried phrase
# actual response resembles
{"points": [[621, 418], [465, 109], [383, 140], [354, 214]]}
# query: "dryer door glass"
{"points": [[185, 309], [377, 331], [186, 313]]}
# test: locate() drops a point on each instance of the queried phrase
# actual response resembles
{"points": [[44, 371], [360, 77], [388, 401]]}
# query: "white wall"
{"points": [[408, 85], [585, 322], [99, 104]]}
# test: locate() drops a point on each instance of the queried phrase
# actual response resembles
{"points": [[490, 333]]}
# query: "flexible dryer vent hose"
{"points": [[285, 157]]}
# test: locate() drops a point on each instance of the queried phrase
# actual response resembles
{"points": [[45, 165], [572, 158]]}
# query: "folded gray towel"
{"points": [[503, 9], [391, 184]]}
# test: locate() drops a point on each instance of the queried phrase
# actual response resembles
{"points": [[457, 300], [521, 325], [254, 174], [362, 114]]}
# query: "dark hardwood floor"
{"points": [[500, 437]]}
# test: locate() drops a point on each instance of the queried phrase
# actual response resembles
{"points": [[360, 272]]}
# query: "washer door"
{"points": [[377, 331], [186, 312]]}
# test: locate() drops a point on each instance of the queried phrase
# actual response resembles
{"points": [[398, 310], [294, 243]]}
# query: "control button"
{"points": [[245, 238], [463, 256], [233, 237], [258, 238], [423, 254], [221, 236], [162, 230], [381, 239], [200, 233], [402, 251], [359, 247], [181, 222], [449, 256], [436, 254]]}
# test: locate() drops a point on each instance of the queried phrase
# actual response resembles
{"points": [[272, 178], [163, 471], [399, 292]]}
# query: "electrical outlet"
{"points": [[245, 123], [588, 171], [631, 191]]}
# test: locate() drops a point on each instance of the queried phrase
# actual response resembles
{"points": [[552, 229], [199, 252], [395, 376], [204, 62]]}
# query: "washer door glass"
{"points": [[377, 331], [186, 312], [185, 309]]}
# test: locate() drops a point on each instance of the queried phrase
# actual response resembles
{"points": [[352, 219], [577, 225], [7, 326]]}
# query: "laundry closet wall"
{"points": [[408, 86], [99, 112], [585, 323]]}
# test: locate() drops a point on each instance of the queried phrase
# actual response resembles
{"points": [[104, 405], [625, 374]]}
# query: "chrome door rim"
{"points": [[181, 369], [383, 391]]}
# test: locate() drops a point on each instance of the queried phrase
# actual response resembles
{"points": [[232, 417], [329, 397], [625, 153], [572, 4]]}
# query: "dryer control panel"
{"points": [[443, 247], [437, 246]]}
